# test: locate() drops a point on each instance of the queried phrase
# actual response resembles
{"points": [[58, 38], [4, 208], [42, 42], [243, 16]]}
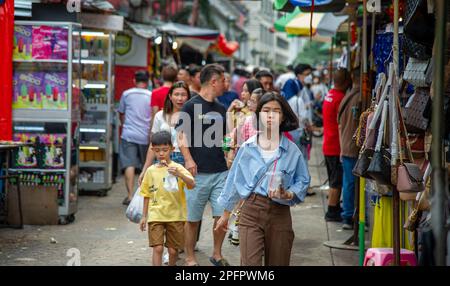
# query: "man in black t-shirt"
{"points": [[201, 130]]}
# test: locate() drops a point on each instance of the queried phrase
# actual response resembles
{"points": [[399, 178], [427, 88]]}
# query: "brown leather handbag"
{"points": [[409, 178], [409, 175]]}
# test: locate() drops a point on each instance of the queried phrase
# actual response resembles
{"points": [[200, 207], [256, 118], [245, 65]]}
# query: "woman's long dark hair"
{"points": [[252, 84], [290, 120], [168, 105]]}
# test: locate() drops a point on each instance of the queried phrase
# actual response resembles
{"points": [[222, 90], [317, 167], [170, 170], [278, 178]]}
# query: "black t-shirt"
{"points": [[205, 133]]}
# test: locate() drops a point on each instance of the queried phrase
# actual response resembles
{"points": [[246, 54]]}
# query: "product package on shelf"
{"points": [[23, 42], [27, 90], [94, 47], [55, 92], [54, 146], [46, 151], [50, 43], [26, 156]]}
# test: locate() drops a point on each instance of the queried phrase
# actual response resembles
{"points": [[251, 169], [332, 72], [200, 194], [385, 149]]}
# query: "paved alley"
{"points": [[102, 235]]}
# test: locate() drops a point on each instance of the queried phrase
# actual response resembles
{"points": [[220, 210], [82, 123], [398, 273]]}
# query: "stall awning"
{"points": [[333, 6], [180, 30], [289, 5], [143, 30], [299, 23], [106, 22], [330, 24]]}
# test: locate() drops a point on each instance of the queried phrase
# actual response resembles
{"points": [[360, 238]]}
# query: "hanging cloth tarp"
{"points": [[382, 235], [330, 24]]}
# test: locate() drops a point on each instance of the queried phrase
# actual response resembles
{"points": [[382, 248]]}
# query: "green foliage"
{"points": [[314, 53]]}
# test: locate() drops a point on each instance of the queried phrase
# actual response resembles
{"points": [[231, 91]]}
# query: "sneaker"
{"points": [[347, 226]]}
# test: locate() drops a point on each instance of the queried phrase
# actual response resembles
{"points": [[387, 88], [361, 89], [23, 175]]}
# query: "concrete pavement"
{"points": [[102, 235]]}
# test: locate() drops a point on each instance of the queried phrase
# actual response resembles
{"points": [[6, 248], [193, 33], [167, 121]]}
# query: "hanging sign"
{"points": [[373, 6]]}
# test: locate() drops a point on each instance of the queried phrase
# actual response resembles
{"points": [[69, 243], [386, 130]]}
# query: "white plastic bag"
{"points": [[171, 183], [135, 208]]}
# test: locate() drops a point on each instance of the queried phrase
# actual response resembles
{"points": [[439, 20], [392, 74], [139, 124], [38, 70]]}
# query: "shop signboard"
{"points": [[131, 50]]}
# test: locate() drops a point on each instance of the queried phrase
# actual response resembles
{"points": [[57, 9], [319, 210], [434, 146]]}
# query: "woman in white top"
{"points": [[166, 119]]}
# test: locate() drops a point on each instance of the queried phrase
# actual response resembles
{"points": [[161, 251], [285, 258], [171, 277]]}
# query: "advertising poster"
{"points": [[27, 90], [50, 43], [55, 91], [23, 42], [26, 156], [53, 150]]}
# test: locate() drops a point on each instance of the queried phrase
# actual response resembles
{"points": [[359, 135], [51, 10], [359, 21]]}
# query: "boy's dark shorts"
{"points": [[334, 170]]}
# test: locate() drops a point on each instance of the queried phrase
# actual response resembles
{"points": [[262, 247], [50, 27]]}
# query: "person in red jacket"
{"points": [[169, 75], [331, 147]]}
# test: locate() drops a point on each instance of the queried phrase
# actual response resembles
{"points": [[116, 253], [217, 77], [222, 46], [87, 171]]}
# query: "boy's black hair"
{"points": [[290, 120], [161, 138]]}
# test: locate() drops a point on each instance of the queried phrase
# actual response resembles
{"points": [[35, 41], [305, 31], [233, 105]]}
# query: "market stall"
{"points": [[45, 102], [97, 85]]}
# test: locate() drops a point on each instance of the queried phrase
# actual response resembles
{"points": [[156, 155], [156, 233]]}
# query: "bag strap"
{"points": [[405, 133], [381, 130]]}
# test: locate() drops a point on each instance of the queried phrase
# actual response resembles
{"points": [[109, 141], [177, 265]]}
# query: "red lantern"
{"points": [[227, 48]]}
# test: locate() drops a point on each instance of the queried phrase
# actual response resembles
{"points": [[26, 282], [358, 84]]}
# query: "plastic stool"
{"points": [[385, 257]]}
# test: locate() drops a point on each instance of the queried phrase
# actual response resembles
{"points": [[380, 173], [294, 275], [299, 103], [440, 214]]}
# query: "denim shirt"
{"points": [[248, 174]]}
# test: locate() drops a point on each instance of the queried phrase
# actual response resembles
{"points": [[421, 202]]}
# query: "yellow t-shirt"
{"points": [[164, 206]]}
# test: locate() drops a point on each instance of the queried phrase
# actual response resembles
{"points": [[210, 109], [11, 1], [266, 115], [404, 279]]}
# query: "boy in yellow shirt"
{"points": [[164, 200]]}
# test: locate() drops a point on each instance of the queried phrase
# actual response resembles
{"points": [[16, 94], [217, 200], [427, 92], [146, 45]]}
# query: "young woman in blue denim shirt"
{"points": [[269, 174]]}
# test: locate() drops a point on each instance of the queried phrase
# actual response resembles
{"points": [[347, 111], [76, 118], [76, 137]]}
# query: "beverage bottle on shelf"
{"points": [[100, 52], [100, 73]]}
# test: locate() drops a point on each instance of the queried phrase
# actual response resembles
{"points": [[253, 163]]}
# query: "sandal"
{"points": [[195, 264], [221, 262]]}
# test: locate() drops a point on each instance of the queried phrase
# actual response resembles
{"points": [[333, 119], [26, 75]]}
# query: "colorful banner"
{"points": [[6, 70]]}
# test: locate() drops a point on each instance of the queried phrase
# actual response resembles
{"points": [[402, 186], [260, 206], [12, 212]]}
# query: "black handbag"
{"points": [[362, 164], [380, 167], [419, 24], [415, 50]]}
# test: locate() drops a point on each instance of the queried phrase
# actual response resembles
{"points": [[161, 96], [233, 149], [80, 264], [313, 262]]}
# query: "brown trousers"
{"points": [[265, 229]]}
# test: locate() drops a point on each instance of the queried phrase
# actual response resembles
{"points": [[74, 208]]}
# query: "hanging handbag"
{"points": [[419, 24], [360, 135], [362, 164], [380, 165], [414, 49], [409, 178], [414, 111], [412, 222], [409, 175], [418, 72]]}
